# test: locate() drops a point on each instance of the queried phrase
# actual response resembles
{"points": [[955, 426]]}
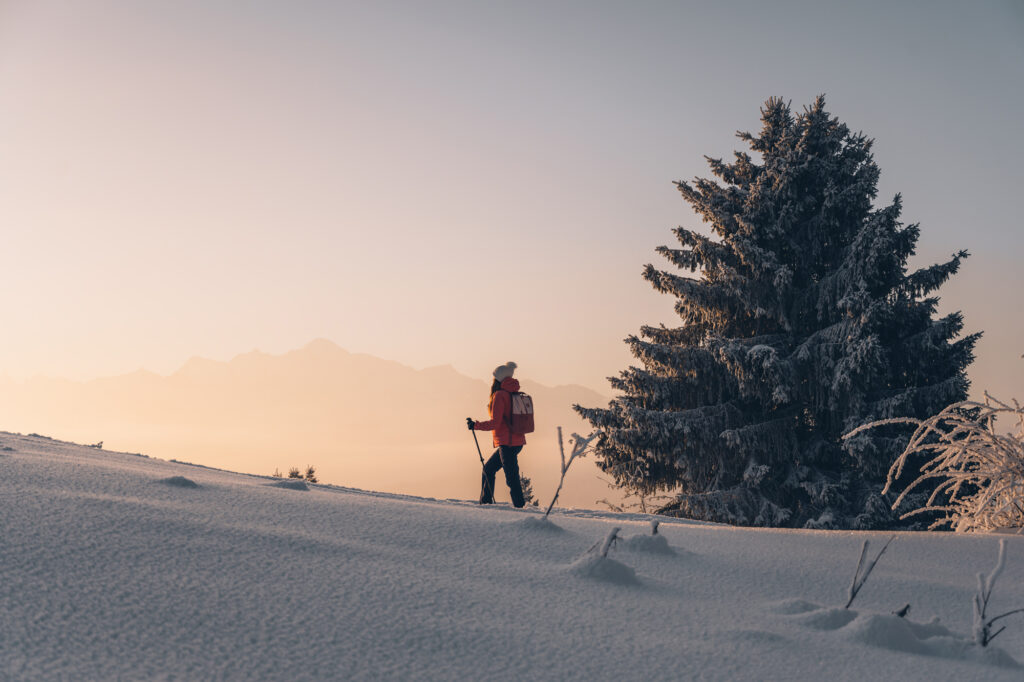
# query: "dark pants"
{"points": [[505, 457]]}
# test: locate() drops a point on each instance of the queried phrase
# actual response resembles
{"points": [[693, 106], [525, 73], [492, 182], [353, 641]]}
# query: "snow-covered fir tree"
{"points": [[801, 323]]}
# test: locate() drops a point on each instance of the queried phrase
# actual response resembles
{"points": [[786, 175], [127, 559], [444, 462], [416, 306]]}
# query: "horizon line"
{"points": [[320, 340]]}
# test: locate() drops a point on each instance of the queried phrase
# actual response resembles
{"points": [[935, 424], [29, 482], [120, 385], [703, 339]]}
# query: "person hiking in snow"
{"points": [[508, 441]]}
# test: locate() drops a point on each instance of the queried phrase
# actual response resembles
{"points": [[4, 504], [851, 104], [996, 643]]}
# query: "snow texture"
{"points": [[291, 484], [655, 544], [541, 523], [109, 575], [595, 566], [179, 482]]}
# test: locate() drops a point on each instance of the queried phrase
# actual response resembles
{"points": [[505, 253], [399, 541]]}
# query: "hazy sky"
{"points": [[455, 182]]}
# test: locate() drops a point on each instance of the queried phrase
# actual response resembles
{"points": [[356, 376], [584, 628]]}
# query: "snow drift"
{"points": [[111, 571]]}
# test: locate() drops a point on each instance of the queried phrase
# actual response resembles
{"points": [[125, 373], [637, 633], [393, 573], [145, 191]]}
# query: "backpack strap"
{"points": [[508, 414]]}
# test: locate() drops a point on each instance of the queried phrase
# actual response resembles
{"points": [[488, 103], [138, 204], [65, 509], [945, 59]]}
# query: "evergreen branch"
{"points": [[926, 280]]}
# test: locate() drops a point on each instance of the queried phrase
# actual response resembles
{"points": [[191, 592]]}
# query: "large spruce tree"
{"points": [[803, 323]]}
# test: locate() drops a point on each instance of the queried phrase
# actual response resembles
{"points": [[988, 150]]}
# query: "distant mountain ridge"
{"points": [[363, 421]]}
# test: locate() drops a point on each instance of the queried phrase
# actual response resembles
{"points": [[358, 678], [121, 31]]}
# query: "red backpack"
{"points": [[520, 414]]}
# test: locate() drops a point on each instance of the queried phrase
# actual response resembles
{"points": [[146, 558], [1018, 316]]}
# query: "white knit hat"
{"points": [[502, 372]]}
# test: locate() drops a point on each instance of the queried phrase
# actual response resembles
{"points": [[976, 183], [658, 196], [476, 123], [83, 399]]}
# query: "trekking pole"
{"points": [[487, 486]]}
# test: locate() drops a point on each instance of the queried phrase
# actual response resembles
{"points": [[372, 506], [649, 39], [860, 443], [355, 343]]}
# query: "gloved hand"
{"points": [[470, 423]]}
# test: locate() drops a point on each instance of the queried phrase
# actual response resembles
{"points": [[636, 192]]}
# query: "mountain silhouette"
{"points": [[362, 421]]}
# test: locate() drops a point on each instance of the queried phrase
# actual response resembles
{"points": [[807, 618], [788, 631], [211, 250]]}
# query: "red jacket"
{"points": [[500, 408]]}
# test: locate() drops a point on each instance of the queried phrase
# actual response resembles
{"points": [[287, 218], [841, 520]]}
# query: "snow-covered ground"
{"points": [[116, 566]]}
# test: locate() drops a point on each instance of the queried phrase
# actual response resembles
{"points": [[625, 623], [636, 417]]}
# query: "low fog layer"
{"points": [[361, 421]]}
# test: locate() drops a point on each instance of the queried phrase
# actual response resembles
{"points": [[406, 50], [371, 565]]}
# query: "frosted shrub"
{"points": [[979, 473]]}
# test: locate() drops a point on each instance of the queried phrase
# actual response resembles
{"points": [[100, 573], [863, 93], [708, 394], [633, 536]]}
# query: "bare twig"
{"points": [[983, 634], [858, 579], [579, 449], [602, 546]]}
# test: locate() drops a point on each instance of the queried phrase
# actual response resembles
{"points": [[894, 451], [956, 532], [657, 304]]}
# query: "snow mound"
{"points": [[889, 631], [179, 482], [827, 619], [291, 484], [592, 565], [654, 544], [926, 639], [540, 523], [899, 634]]}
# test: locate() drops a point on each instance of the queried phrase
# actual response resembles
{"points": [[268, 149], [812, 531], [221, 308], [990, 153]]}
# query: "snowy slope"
{"points": [[113, 567]]}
